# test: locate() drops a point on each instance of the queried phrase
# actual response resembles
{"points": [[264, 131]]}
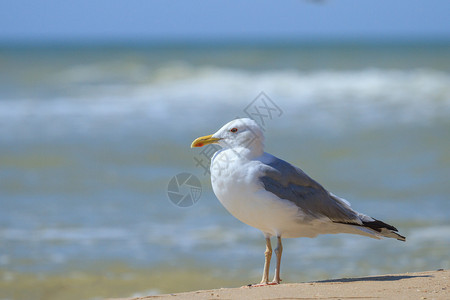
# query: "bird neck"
{"points": [[253, 150]]}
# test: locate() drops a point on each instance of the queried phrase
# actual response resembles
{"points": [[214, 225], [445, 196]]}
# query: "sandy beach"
{"points": [[420, 285]]}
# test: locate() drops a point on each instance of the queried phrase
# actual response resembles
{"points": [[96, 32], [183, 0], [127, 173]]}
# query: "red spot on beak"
{"points": [[200, 145]]}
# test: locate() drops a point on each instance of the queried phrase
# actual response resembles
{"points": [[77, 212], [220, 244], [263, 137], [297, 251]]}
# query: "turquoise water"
{"points": [[91, 136]]}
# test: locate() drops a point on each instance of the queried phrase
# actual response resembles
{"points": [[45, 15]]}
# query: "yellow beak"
{"points": [[204, 140]]}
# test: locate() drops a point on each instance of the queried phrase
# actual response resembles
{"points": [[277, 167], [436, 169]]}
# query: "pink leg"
{"points": [[278, 252]]}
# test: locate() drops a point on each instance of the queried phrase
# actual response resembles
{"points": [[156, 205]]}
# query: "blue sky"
{"points": [[223, 19]]}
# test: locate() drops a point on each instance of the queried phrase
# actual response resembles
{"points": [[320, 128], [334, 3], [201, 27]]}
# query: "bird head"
{"points": [[238, 133]]}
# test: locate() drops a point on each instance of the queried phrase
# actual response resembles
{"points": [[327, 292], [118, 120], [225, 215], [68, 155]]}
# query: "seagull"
{"points": [[276, 197]]}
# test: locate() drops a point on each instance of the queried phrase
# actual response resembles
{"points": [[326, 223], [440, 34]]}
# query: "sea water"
{"points": [[90, 137]]}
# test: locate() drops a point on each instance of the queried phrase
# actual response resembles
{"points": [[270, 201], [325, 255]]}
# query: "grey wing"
{"points": [[291, 183]]}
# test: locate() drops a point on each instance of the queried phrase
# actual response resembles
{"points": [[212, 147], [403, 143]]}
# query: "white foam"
{"points": [[151, 292], [64, 234], [434, 233], [371, 96]]}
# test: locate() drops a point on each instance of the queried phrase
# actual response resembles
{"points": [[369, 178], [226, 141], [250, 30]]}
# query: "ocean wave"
{"points": [[61, 234], [371, 96], [436, 233]]}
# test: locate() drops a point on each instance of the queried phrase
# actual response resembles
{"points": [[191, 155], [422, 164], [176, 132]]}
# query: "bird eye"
{"points": [[233, 129]]}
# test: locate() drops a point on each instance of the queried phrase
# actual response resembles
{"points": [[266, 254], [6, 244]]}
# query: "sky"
{"points": [[112, 20]]}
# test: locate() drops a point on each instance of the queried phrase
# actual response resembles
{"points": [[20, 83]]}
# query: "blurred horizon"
{"points": [[221, 21], [227, 43]]}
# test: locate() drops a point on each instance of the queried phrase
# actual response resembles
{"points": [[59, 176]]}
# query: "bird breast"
{"points": [[241, 193]]}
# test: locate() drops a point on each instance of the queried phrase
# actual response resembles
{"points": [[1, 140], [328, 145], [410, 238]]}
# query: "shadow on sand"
{"points": [[374, 278]]}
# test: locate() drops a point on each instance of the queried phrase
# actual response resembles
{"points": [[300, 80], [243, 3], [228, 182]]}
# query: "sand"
{"points": [[421, 285]]}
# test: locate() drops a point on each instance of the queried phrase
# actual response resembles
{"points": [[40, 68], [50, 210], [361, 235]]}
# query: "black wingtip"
{"points": [[382, 228], [385, 229], [378, 225], [401, 238]]}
